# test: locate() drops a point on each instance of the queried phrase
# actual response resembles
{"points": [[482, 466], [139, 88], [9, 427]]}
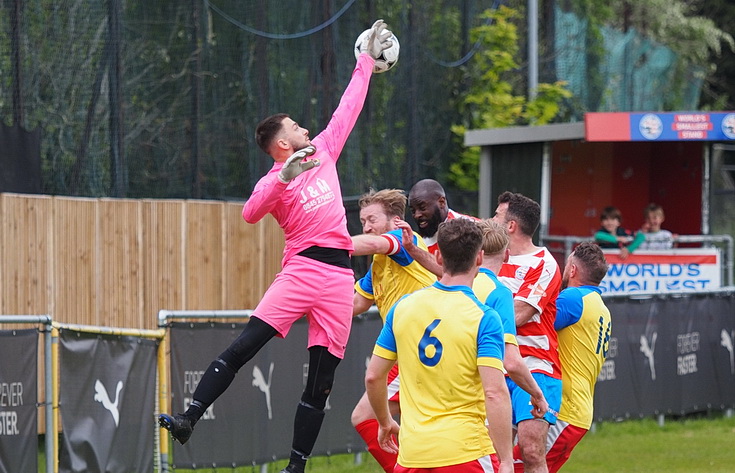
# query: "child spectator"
{"points": [[613, 235], [656, 237]]}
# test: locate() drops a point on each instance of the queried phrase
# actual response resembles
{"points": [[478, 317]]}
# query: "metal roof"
{"points": [[524, 134]]}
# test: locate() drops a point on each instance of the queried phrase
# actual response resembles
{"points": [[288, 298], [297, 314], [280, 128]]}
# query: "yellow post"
{"points": [[163, 396], [159, 334], [55, 395]]}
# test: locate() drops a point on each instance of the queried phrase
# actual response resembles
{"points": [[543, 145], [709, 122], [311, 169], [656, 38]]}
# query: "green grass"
{"points": [[686, 446], [680, 446], [689, 445]]}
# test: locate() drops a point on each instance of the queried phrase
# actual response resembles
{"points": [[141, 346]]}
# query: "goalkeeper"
{"points": [[302, 192]]}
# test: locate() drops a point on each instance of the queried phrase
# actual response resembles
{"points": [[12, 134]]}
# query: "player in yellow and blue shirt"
{"points": [[450, 348], [584, 327], [492, 292], [393, 274]]}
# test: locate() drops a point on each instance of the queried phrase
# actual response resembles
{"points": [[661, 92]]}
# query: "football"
{"points": [[387, 59]]}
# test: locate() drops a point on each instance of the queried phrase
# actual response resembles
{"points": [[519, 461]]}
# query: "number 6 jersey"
{"points": [[439, 336]]}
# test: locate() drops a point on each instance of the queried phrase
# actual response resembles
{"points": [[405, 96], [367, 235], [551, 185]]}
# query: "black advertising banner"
{"points": [[252, 422], [18, 396], [107, 398], [337, 434], [672, 354], [223, 432], [20, 160], [668, 355], [721, 346]]}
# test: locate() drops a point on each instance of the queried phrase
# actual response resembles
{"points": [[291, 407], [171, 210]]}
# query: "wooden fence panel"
{"points": [[27, 248], [76, 270], [163, 256], [203, 255], [117, 262], [121, 294], [240, 260]]}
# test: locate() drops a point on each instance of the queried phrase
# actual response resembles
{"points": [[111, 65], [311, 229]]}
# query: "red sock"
{"points": [[368, 430]]}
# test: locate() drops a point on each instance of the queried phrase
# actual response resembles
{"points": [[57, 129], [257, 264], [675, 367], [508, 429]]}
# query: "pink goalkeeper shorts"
{"points": [[320, 291]]}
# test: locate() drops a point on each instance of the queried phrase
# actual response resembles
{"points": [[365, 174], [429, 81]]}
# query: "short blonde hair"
{"points": [[393, 201], [495, 237]]}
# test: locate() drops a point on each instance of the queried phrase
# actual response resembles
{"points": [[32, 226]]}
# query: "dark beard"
{"points": [[432, 227]]}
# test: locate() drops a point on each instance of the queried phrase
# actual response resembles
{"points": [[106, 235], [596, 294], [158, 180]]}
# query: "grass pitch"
{"points": [[692, 444]]}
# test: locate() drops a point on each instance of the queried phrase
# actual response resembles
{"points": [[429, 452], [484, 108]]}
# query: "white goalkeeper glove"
{"points": [[295, 164], [378, 40]]}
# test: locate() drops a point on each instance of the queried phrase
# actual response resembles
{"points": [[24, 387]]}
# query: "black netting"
{"points": [[160, 99]]}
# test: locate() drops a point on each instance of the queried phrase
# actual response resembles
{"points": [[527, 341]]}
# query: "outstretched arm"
{"points": [[371, 245], [424, 258], [605, 237]]}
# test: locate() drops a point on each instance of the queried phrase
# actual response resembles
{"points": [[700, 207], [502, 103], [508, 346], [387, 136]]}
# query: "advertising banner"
{"points": [[660, 126], [107, 399], [252, 422], [18, 397], [671, 355], [678, 270]]}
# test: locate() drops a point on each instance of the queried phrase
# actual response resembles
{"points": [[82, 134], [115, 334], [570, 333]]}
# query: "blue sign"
{"points": [[682, 126]]}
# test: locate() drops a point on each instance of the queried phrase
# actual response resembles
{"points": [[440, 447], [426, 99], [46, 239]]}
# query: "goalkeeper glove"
{"points": [[377, 41], [295, 164]]}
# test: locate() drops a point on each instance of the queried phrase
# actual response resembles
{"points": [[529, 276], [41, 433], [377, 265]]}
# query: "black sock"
{"points": [[214, 382], [307, 424], [298, 459], [194, 412]]}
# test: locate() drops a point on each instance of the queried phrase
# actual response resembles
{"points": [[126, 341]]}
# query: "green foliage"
{"points": [[490, 100], [696, 40], [672, 22]]}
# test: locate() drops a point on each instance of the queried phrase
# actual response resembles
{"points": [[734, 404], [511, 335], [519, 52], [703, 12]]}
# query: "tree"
{"points": [[688, 27], [490, 101], [719, 88]]}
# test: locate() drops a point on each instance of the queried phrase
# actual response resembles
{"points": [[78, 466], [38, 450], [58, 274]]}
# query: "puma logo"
{"points": [[265, 387], [648, 349], [726, 342], [102, 397]]}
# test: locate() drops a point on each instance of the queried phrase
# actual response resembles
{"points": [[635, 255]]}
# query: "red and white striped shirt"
{"points": [[535, 278]]}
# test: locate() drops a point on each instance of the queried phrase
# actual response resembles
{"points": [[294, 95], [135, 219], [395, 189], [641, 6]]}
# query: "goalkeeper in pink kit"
{"points": [[302, 192]]}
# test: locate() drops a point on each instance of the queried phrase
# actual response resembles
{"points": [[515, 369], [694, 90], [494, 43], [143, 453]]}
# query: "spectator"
{"points": [[613, 235], [656, 237]]}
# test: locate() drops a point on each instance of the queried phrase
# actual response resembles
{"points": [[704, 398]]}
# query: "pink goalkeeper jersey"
{"points": [[310, 208], [535, 279]]}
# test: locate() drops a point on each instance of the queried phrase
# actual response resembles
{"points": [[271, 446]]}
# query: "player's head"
{"points": [[380, 209], [460, 244], [586, 266], [610, 219], [495, 238], [518, 213], [428, 205], [654, 216], [279, 135]]}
